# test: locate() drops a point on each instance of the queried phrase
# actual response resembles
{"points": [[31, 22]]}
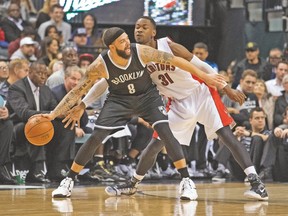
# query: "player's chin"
{"points": [[128, 51], [138, 39]]}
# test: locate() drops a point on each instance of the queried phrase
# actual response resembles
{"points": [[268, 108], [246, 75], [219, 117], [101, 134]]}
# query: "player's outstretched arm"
{"points": [[95, 71], [181, 51], [149, 54]]}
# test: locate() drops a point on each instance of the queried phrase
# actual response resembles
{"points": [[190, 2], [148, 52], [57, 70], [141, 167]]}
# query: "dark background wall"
{"points": [[225, 30]]}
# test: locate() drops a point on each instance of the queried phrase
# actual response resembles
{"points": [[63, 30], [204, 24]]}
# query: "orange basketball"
{"points": [[39, 131]]}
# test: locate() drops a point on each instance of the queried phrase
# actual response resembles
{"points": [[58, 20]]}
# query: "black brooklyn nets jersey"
{"points": [[130, 80]]}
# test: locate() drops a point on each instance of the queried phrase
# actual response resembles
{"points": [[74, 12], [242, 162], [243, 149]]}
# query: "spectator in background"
{"points": [[57, 14], [274, 162], [4, 72], [229, 70], [73, 75], [274, 86], [49, 50], [265, 100], [201, 51], [85, 60], [13, 24], [281, 104], [275, 56], [3, 44], [27, 10], [89, 22], [80, 37], [241, 113], [6, 133], [51, 31], [69, 58], [26, 50], [43, 15], [55, 65], [254, 140], [29, 31], [252, 61], [18, 69], [22, 103]]}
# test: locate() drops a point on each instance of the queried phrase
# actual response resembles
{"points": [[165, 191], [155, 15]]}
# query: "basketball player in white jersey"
{"points": [[192, 102]]}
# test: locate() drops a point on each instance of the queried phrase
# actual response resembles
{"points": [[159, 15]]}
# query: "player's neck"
{"points": [[119, 60], [153, 43]]}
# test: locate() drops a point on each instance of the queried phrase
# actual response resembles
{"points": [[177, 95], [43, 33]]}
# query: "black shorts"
{"points": [[119, 109]]}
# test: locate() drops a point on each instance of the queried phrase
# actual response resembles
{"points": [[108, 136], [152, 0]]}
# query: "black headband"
{"points": [[111, 35]]}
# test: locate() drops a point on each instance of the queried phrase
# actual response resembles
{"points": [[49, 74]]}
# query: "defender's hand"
{"points": [[215, 80], [234, 95]]}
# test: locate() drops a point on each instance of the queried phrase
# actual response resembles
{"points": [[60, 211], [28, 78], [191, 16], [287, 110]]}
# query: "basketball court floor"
{"points": [[153, 198]]}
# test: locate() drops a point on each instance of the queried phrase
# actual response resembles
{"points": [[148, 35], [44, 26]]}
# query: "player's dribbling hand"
{"points": [[74, 116], [49, 116]]}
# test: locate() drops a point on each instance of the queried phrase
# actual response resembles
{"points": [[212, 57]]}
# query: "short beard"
{"points": [[122, 54]]}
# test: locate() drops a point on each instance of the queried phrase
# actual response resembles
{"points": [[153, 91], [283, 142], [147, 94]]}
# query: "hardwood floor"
{"points": [[151, 199]]}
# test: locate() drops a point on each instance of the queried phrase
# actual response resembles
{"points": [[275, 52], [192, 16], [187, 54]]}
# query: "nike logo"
{"points": [[262, 190]]}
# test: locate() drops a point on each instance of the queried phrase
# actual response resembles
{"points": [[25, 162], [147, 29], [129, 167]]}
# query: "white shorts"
{"points": [[204, 105]]}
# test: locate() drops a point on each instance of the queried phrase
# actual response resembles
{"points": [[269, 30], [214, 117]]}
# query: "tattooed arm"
{"points": [[95, 71], [149, 54]]}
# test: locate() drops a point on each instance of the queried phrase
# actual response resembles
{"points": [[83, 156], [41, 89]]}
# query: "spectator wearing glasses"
{"points": [[13, 24], [275, 56], [4, 72], [252, 61]]}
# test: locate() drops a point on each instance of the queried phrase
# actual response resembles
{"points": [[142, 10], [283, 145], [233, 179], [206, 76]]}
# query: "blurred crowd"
{"points": [[42, 59]]}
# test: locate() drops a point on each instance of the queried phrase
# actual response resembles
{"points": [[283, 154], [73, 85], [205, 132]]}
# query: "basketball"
{"points": [[39, 130]]}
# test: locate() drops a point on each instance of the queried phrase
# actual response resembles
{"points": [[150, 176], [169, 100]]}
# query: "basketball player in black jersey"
{"points": [[131, 93]]}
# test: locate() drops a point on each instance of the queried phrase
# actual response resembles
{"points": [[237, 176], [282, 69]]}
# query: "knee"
{"points": [[98, 135], [155, 146]]}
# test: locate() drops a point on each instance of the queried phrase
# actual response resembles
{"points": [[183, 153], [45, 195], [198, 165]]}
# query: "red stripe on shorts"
{"points": [[222, 110]]}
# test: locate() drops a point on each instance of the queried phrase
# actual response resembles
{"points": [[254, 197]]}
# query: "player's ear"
{"points": [[154, 33]]}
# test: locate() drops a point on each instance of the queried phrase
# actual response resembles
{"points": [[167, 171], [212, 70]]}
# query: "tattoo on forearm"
{"points": [[72, 97]]}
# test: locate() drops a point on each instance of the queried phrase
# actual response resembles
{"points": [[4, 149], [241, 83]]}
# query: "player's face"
{"points": [[144, 31], [122, 46]]}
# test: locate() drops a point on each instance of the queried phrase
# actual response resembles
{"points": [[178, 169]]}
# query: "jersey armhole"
{"points": [[106, 69], [139, 57]]}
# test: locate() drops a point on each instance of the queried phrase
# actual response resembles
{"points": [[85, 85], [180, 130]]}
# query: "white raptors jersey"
{"points": [[170, 80]]}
